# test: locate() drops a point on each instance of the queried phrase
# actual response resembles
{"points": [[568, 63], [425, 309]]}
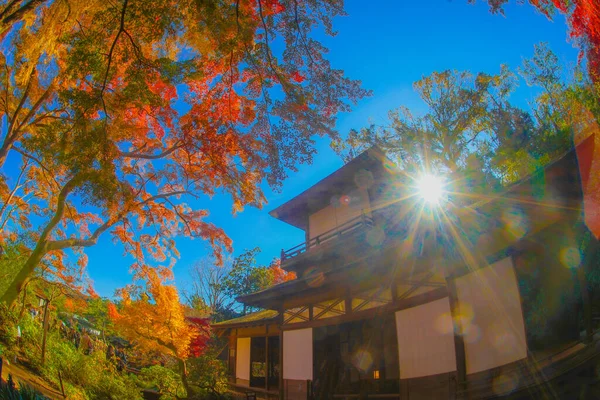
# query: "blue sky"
{"points": [[387, 45]]}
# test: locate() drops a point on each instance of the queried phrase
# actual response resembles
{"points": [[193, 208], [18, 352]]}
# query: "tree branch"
{"points": [[11, 18], [152, 156], [93, 239]]}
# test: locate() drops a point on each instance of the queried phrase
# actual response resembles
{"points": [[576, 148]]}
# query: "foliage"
{"points": [[245, 276], [11, 258], [474, 134], [207, 292], [162, 379], [31, 340], [117, 115], [93, 373], [209, 374], [8, 326], [278, 274], [84, 376], [153, 318], [98, 313], [214, 289], [583, 17], [23, 392]]}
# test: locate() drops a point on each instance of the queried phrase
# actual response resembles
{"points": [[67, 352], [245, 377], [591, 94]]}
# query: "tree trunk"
{"points": [[41, 248], [7, 21], [22, 312], [4, 153], [184, 380], [20, 281]]}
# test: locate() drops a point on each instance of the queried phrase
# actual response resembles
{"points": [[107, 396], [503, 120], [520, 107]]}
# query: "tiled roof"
{"points": [[249, 319]]}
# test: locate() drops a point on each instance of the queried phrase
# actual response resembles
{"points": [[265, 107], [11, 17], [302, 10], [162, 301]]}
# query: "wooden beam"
{"points": [[414, 301], [416, 286], [459, 344], [297, 314], [328, 308]]}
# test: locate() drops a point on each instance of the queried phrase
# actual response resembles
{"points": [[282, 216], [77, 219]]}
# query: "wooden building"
{"points": [[475, 297]]}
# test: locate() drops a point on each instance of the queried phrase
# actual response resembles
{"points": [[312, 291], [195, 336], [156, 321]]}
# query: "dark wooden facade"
{"points": [[370, 269]]}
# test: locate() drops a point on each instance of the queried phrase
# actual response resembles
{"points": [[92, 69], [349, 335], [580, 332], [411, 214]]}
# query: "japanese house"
{"points": [[473, 298]]}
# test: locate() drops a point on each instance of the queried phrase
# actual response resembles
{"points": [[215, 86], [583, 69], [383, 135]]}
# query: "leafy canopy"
{"points": [[115, 115]]}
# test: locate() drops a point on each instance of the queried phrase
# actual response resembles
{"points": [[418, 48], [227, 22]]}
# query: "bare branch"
{"points": [[152, 156]]}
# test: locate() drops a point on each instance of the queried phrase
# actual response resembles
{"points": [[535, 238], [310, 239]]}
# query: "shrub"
{"points": [[209, 374], [8, 323], [115, 386], [93, 373], [163, 380]]}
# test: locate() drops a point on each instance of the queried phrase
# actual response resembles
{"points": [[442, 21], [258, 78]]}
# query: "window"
{"points": [[264, 362], [258, 362]]}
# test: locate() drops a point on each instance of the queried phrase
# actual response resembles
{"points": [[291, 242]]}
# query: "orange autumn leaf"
{"points": [[120, 135]]}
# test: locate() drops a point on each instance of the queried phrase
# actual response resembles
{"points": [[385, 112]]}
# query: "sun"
{"points": [[430, 188]]}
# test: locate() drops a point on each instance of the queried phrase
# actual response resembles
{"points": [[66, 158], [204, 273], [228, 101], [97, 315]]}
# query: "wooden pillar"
{"points": [[235, 356], [459, 344], [267, 357], [281, 391], [588, 260], [307, 231], [348, 302], [587, 306]]}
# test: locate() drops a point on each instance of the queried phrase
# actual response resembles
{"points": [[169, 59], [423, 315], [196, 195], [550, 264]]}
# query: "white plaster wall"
{"points": [[426, 340], [490, 305], [242, 361], [331, 217], [298, 354]]}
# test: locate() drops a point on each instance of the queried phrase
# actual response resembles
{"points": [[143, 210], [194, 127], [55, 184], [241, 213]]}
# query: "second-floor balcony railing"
{"points": [[359, 223]]}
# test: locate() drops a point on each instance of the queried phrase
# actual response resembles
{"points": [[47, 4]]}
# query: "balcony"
{"points": [[346, 229]]}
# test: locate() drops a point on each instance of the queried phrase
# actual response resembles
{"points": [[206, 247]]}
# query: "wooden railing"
{"points": [[360, 222]]}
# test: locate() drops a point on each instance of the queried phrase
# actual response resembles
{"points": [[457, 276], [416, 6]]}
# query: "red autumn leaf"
{"points": [[297, 77]]}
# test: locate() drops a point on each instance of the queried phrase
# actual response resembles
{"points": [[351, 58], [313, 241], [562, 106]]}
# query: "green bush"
{"points": [[8, 326], [93, 373], [84, 377], [115, 386], [163, 380], [31, 340], [209, 375]]}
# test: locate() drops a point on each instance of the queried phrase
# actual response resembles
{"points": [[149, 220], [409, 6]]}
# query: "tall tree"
{"points": [[474, 134], [118, 113], [216, 288], [207, 291], [448, 138]]}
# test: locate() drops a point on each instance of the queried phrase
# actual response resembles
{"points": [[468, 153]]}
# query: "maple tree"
{"points": [[152, 318], [116, 115], [278, 274]]}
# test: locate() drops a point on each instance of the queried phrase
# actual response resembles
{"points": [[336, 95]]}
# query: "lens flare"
{"points": [[430, 188]]}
